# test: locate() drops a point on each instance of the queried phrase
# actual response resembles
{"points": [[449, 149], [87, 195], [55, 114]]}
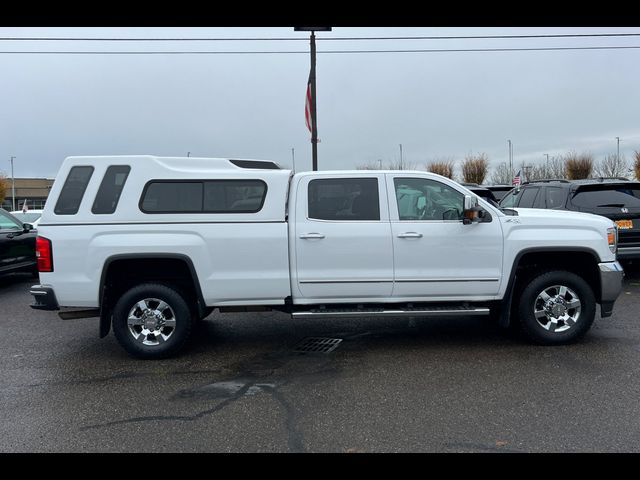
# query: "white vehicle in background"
{"points": [[31, 217]]}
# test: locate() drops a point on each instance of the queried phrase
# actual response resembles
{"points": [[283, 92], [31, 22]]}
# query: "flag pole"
{"points": [[312, 81], [314, 125]]}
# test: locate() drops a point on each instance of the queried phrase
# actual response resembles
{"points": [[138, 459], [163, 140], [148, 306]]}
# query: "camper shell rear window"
{"points": [[203, 196], [73, 190]]}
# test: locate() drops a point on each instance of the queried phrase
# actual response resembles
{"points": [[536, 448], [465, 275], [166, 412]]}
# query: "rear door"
{"points": [[342, 238]]}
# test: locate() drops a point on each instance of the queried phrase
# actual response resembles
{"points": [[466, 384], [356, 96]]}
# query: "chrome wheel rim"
{"points": [[557, 308], [151, 322]]}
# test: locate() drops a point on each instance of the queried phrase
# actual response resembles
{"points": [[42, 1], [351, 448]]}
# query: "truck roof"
{"points": [[181, 163]]}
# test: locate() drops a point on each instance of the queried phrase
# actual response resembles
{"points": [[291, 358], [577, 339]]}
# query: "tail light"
{"points": [[44, 254]]}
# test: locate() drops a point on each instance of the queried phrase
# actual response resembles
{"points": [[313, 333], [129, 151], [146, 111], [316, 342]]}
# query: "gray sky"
{"points": [[444, 104]]}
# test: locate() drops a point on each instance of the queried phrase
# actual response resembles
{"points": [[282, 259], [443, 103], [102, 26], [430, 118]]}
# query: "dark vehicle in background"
{"points": [[614, 198], [17, 245], [482, 192], [499, 190]]}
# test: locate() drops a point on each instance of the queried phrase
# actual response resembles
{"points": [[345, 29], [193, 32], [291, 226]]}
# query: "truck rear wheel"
{"points": [[152, 321], [556, 307]]}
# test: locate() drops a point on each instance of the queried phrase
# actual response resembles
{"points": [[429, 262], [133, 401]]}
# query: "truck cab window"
{"points": [[425, 199], [344, 199]]}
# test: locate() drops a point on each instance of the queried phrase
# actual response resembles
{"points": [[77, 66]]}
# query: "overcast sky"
{"points": [[438, 104]]}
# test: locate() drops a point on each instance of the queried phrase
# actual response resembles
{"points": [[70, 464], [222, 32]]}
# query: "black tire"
{"points": [[176, 318], [570, 321]]}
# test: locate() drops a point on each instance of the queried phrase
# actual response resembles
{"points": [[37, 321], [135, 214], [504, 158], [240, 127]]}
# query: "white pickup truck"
{"points": [[153, 244]]}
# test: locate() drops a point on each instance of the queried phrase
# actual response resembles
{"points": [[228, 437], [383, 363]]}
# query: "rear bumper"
{"points": [[611, 274], [44, 298]]}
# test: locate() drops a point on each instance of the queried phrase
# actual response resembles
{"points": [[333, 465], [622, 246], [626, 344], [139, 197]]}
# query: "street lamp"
{"points": [[618, 155], [510, 160], [312, 81], [13, 187]]}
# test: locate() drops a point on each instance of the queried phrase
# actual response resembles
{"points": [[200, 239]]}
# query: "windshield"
{"points": [[510, 199], [608, 196], [28, 217]]}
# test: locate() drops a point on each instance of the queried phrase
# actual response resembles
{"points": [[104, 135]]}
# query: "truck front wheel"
{"points": [[556, 307], [152, 321]]}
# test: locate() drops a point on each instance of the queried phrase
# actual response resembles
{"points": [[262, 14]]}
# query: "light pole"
{"points": [[510, 160], [312, 82], [188, 153], [13, 187], [618, 154], [400, 156]]}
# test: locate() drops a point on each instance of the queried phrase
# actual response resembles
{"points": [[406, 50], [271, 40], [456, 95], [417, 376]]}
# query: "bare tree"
{"points": [[474, 168], [612, 166], [4, 187], [502, 174], [443, 166], [551, 169], [368, 166], [391, 165], [636, 163], [397, 165]]}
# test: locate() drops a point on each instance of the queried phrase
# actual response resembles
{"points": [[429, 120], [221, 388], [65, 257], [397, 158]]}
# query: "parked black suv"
{"points": [[17, 245], [614, 198]]}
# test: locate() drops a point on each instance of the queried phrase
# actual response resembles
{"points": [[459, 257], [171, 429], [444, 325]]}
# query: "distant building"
{"points": [[34, 190]]}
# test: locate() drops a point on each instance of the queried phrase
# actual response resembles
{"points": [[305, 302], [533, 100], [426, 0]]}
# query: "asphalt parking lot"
{"points": [[391, 385]]}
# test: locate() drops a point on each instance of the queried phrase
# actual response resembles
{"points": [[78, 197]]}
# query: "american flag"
{"points": [[307, 105], [516, 179]]}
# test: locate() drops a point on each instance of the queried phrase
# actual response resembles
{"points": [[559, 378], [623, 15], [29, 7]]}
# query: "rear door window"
{"points": [[555, 197], [344, 199], [528, 197], [73, 190]]}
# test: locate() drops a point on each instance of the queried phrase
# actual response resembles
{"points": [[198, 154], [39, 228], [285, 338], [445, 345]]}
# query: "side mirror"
{"points": [[470, 201], [472, 212], [27, 227]]}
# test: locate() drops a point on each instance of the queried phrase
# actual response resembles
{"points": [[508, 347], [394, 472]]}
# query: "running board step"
{"points": [[73, 314], [399, 312]]}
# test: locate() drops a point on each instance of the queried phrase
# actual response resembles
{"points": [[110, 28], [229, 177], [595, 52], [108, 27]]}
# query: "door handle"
{"points": [[410, 235], [312, 235]]}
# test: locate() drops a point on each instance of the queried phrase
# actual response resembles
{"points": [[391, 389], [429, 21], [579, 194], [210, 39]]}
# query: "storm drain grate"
{"points": [[317, 345]]}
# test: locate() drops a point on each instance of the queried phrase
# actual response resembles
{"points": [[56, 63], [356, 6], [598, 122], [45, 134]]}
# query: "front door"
{"points": [[342, 239], [436, 256]]}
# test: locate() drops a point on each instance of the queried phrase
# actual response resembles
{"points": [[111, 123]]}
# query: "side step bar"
{"points": [[73, 314], [400, 312]]}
